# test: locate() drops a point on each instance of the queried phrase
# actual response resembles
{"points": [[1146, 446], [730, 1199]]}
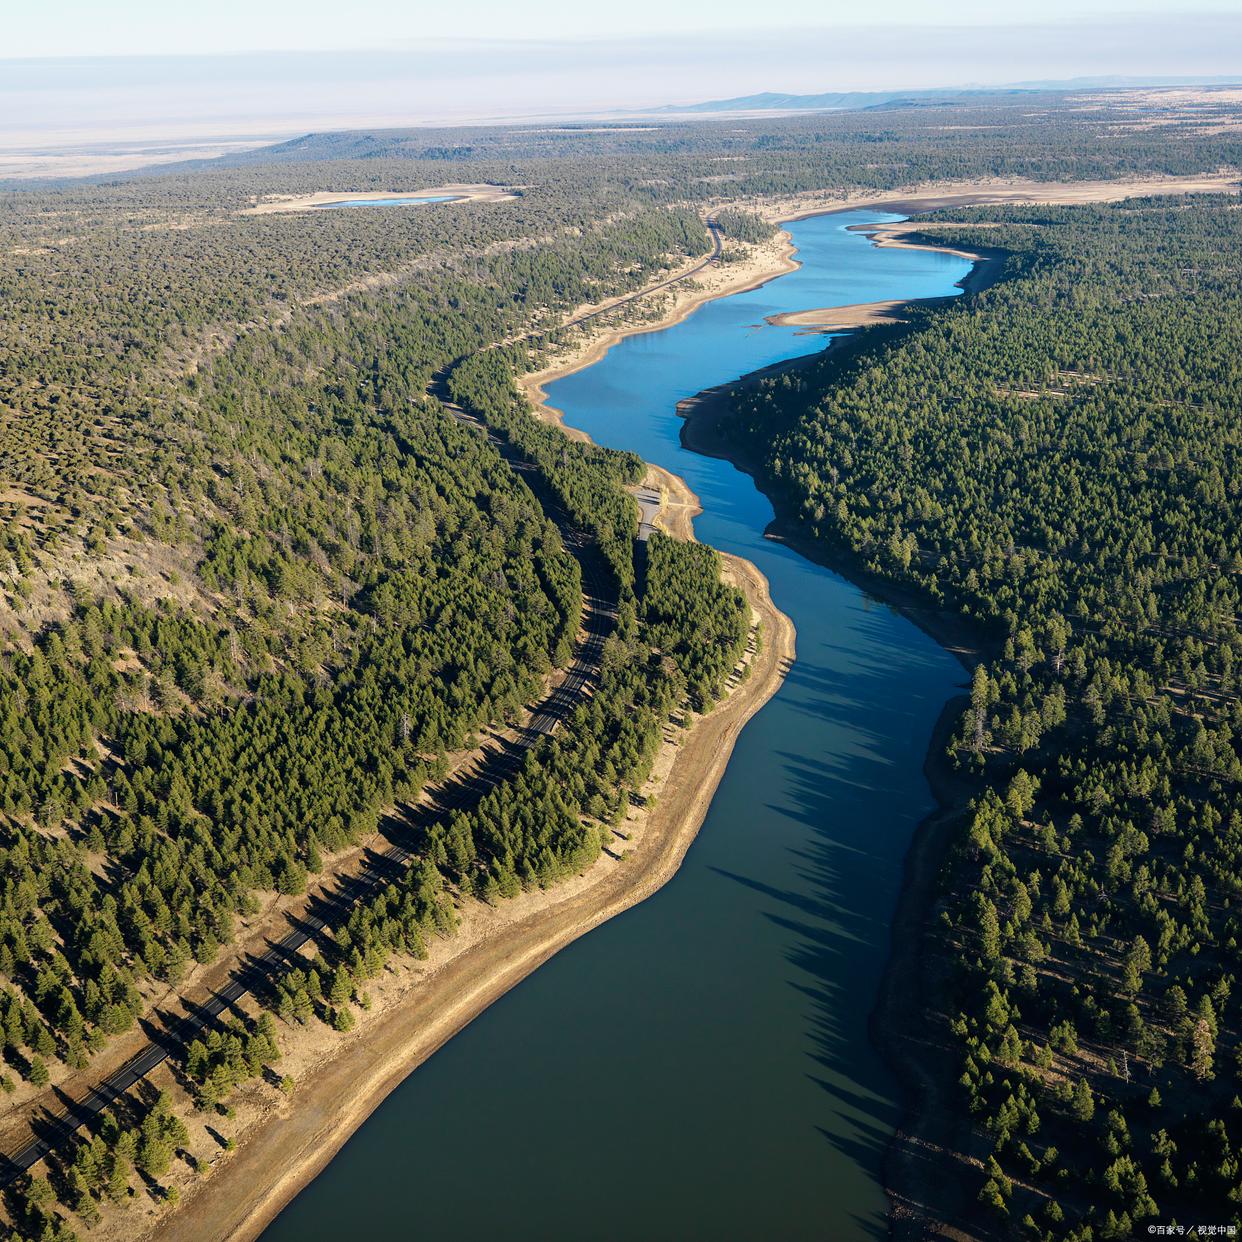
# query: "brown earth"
{"points": [[302, 202], [839, 318]]}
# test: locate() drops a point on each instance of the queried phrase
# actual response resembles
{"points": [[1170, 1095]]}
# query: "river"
{"points": [[699, 1068]]}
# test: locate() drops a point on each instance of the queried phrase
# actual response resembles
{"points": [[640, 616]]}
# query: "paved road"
{"points": [[500, 763], [712, 227], [649, 501]]}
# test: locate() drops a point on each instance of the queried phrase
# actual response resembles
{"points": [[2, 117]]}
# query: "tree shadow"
{"points": [[850, 793]]}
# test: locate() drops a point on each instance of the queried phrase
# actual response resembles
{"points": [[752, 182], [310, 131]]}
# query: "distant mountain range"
{"points": [[830, 101], [843, 101]]}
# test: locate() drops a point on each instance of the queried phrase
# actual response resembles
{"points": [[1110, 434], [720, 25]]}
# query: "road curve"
{"points": [[462, 792], [54, 1130]]}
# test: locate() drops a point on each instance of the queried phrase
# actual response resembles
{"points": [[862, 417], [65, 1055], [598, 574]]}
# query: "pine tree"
{"points": [[118, 1178], [1083, 1103], [1202, 1049]]}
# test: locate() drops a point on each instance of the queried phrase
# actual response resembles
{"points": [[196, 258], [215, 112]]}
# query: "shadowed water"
{"points": [[699, 1067]]}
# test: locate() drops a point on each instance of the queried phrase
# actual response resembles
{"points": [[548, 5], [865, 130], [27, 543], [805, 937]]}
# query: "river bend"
{"points": [[699, 1068]]}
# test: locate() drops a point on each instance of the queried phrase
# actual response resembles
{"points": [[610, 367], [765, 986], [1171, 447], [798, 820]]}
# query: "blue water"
{"points": [[404, 200], [699, 1068]]}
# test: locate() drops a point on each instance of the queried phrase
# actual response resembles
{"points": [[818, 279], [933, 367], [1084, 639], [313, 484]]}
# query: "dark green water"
{"points": [[699, 1068]]}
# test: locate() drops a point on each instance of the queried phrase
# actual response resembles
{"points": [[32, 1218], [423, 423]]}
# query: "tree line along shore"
{"points": [[1049, 468], [261, 589]]}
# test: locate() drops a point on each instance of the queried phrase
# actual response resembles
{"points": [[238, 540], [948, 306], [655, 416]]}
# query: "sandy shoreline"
{"points": [[448, 1001], [285, 1147], [250, 1187], [839, 318], [289, 1148], [321, 198], [936, 195], [776, 257], [766, 262]]}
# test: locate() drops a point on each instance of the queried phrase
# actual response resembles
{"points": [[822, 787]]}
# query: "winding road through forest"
{"points": [[171, 1032], [495, 763]]}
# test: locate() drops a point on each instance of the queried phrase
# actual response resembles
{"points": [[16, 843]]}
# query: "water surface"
{"points": [[400, 200], [699, 1067]]}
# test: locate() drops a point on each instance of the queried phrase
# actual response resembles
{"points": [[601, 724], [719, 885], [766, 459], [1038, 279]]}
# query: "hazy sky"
{"points": [[78, 73], [140, 27]]}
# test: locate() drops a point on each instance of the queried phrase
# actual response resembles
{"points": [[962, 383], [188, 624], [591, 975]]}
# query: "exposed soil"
{"points": [[286, 1146], [304, 202]]}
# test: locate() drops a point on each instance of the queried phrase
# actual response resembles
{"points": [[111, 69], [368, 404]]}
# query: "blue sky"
{"points": [[141, 27]]}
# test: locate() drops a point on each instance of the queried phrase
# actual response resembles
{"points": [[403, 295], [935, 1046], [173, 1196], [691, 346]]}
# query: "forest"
{"points": [[1057, 459], [259, 585]]}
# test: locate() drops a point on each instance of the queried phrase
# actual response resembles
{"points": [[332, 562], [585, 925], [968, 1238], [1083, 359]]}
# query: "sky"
{"points": [[54, 28], [78, 74]]}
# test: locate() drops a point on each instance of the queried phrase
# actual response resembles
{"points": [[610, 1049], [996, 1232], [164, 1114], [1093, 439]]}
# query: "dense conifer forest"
{"points": [[1058, 460], [259, 586]]}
